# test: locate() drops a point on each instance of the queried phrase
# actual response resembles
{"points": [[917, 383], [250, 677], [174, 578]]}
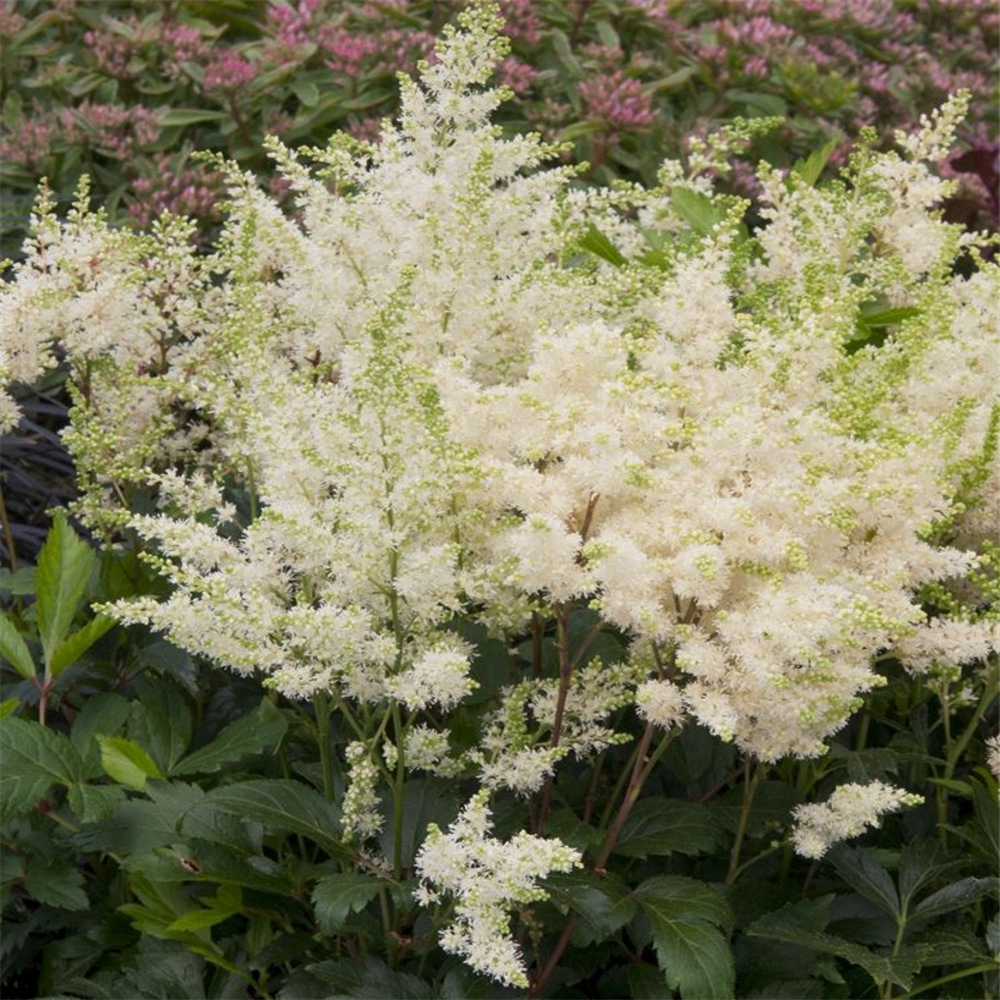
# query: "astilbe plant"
{"points": [[465, 398]]}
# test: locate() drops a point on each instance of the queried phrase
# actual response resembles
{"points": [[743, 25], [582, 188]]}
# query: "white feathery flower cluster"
{"points": [[993, 755], [947, 643], [436, 677], [848, 812], [754, 450], [660, 702], [428, 750], [361, 817], [522, 770], [487, 878]]}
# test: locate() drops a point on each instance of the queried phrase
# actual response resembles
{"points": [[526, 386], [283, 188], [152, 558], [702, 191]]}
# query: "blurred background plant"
{"points": [[128, 91]]}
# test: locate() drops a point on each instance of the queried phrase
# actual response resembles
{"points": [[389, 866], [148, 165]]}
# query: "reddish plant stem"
{"points": [[565, 677], [640, 772]]}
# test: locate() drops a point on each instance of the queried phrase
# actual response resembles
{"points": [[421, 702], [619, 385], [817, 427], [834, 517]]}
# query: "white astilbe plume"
{"points": [[360, 818], [768, 457], [848, 812], [993, 755], [487, 878]]}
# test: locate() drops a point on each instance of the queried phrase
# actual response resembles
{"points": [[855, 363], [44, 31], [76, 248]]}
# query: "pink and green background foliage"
{"points": [[127, 92]]}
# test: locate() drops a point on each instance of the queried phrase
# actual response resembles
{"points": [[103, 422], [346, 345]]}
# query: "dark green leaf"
{"points": [[784, 926], [258, 731], [646, 982], [955, 896], [198, 920], [697, 209], [768, 104], [58, 885], [161, 723], [810, 168], [34, 759], [677, 894], [675, 79], [461, 983], [595, 242], [95, 803], [920, 863], [874, 315], [604, 904], [307, 92], [104, 713], [949, 946], [790, 989], [370, 979], [190, 116], [563, 49], [694, 955], [140, 825], [282, 806], [664, 826], [15, 650], [77, 643], [425, 800], [337, 896], [65, 565], [860, 869]]}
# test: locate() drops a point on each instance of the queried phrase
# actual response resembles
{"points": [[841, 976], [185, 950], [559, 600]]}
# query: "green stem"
{"points": [[990, 691], [321, 703], [397, 792], [623, 777], [752, 781], [862, 737], [8, 535], [757, 857], [954, 751], [640, 772], [975, 970], [384, 909], [565, 679]]}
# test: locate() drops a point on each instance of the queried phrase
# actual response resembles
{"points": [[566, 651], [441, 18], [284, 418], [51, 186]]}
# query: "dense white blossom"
{"points": [[361, 817], [709, 450], [487, 878], [849, 811], [993, 755]]}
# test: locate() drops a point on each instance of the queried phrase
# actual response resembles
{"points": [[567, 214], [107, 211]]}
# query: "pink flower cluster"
{"points": [[29, 145], [227, 72], [386, 50], [181, 44], [523, 23], [191, 191], [291, 29], [112, 52], [617, 101], [516, 74], [111, 129]]}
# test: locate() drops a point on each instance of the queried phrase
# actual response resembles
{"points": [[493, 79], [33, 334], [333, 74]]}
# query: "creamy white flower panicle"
{"points": [[993, 755], [754, 455], [848, 812], [360, 816], [487, 878]]}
